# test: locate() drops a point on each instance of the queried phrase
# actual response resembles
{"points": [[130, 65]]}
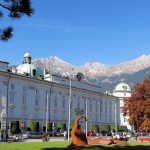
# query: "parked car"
{"points": [[31, 135], [54, 133], [98, 134], [90, 133], [120, 136]]}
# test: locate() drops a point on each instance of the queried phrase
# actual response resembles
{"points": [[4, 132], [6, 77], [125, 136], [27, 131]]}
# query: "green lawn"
{"points": [[63, 145]]}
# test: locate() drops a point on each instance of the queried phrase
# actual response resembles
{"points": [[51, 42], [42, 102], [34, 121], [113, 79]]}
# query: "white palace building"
{"points": [[27, 94]]}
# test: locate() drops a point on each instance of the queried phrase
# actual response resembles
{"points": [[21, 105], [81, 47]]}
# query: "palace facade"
{"points": [[27, 93]]}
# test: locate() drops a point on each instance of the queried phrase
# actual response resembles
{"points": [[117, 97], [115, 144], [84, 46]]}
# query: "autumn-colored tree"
{"points": [[137, 107], [16, 9]]}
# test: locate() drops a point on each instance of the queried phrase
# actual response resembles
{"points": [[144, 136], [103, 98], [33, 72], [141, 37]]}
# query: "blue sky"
{"points": [[80, 31]]}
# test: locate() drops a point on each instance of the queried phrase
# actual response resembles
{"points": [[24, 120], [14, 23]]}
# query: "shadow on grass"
{"points": [[102, 147]]}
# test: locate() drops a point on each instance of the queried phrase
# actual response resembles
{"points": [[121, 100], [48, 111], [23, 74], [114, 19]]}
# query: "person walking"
{"points": [[2, 136]]}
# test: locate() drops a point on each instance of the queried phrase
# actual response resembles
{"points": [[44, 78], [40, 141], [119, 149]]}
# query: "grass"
{"points": [[63, 145]]}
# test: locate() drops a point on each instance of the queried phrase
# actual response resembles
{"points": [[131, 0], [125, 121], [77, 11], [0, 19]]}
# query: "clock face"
{"points": [[124, 87]]}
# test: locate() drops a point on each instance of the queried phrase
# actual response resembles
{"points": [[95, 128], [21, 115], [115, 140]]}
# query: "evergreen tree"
{"points": [[16, 9]]}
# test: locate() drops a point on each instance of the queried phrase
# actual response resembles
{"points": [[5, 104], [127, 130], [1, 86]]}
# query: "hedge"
{"points": [[123, 128], [34, 126], [105, 128]]}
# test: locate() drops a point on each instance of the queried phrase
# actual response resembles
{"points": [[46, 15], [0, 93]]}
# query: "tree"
{"points": [[15, 127], [137, 107], [16, 9]]}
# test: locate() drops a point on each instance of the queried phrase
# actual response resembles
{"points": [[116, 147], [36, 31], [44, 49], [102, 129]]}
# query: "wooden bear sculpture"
{"points": [[78, 136]]}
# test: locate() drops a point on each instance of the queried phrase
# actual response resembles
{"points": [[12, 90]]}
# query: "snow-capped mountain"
{"points": [[54, 64], [98, 73], [92, 70]]}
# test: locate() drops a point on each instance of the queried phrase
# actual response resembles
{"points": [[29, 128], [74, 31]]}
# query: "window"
{"points": [[105, 107], [12, 87], [24, 97], [110, 118], [36, 115], [110, 107], [11, 111], [125, 120], [84, 103], [55, 103], [63, 104], [37, 91], [78, 104], [24, 89], [96, 106], [71, 104], [46, 98], [23, 114], [12, 97], [101, 106], [101, 110], [96, 118], [36, 101], [90, 105], [34, 72]]}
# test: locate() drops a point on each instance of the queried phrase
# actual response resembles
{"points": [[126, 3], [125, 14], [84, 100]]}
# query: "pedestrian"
{"points": [[5, 136], [16, 138], [2, 136]]}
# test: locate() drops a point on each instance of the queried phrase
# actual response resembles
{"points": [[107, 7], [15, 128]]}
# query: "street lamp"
{"points": [[47, 111], [79, 76], [86, 118], [69, 107]]}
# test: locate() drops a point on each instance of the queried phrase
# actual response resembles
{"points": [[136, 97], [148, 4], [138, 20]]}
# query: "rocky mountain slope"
{"points": [[106, 76]]}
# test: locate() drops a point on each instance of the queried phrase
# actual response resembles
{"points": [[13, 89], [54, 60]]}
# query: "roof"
{"points": [[124, 87], [26, 69]]}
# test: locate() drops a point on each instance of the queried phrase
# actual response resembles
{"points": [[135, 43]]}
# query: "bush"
{"points": [[123, 128], [34, 126], [114, 127], [48, 126], [61, 126], [105, 128], [95, 127]]}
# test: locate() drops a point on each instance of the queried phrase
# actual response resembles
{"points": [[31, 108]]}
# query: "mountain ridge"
{"points": [[98, 73]]}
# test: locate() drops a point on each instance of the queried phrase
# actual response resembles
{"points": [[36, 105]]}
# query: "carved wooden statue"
{"points": [[78, 136]]}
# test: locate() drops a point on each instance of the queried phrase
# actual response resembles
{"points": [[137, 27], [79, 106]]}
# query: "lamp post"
{"points": [[69, 108], [47, 111], [79, 77], [86, 118]]}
